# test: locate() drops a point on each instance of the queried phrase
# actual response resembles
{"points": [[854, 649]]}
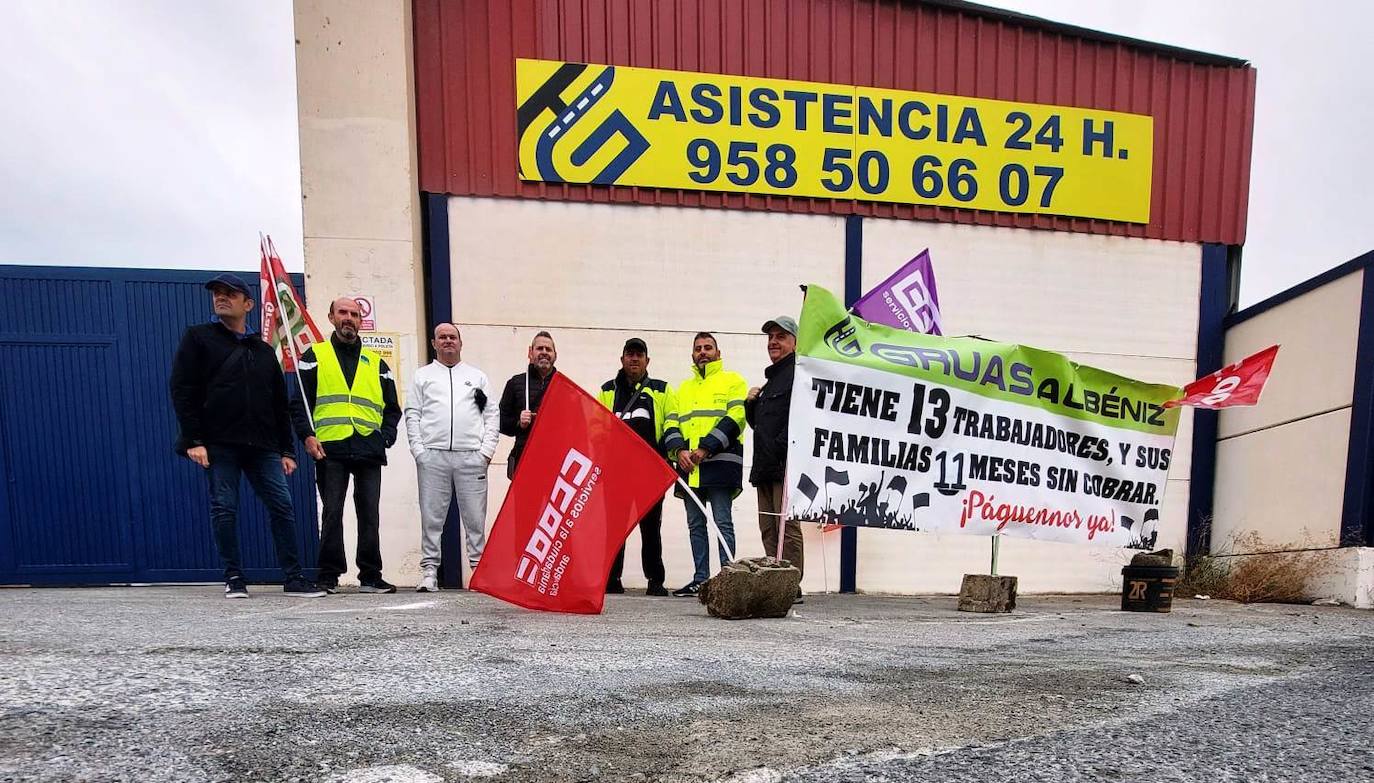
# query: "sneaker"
{"points": [[615, 588], [329, 586], [235, 588], [687, 591], [300, 587], [656, 588], [429, 581], [377, 586]]}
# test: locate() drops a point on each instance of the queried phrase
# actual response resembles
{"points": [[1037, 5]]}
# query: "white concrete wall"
{"points": [[361, 205], [1281, 464], [595, 274], [1126, 305]]}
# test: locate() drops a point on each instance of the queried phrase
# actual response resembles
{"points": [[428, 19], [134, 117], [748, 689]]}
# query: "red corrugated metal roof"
{"points": [[1203, 105]]}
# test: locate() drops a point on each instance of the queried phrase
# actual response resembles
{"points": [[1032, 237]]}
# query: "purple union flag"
{"points": [[907, 300]]}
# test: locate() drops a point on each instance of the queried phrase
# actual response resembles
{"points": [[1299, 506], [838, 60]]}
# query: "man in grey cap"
{"points": [[767, 409]]}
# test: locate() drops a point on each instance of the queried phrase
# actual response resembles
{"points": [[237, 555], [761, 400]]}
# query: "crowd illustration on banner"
{"points": [[888, 428], [883, 503]]}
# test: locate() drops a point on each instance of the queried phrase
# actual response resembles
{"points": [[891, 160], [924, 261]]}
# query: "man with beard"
{"points": [[351, 396], [523, 393], [703, 434], [642, 403]]}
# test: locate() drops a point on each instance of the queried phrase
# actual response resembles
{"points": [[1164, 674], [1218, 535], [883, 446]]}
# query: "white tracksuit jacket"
{"points": [[442, 412]]}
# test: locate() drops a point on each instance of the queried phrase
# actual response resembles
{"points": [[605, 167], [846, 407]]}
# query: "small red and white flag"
{"points": [[283, 315], [584, 481], [1236, 384]]}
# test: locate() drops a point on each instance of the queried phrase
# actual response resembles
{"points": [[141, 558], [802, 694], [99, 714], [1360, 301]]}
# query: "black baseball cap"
{"points": [[635, 345], [233, 282]]}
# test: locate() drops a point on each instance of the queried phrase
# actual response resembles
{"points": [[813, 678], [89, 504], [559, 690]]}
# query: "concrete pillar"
{"points": [[360, 200]]}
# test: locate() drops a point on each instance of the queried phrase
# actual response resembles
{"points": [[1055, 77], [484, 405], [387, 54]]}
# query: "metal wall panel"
{"points": [[1203, 105], [90, 491]]}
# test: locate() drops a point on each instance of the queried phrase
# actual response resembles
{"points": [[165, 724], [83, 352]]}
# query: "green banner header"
{"points": [[1002, 371]]}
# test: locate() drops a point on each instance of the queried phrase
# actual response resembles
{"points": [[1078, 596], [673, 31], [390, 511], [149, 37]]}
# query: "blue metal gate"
{"points": [[90, 491]]}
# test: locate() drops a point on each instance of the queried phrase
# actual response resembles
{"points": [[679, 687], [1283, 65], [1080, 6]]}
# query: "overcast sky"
{"points": [[160, 133]]}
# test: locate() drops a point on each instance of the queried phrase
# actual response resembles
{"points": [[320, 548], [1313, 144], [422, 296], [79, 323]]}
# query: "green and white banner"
{"points": [[894, 429]]}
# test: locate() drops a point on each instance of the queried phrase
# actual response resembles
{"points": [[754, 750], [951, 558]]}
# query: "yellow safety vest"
{"points": [[708, 411], [340, 410]]}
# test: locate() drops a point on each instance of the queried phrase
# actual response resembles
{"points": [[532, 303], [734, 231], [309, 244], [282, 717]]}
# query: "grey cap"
{"points": [[784, 322]]}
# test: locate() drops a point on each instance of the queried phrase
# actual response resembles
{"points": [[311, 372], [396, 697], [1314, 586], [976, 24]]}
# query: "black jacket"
{"points": [[641, 418], [768, 414], [513, 402], [229, 390], [355, 448]]}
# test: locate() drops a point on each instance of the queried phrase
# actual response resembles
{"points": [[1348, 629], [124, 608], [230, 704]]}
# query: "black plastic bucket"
{"points": [[1148, 588]]}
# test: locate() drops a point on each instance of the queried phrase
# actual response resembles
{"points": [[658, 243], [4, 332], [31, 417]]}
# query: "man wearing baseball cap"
{"points": [[641, 402], [767, 410], [231, 406]]}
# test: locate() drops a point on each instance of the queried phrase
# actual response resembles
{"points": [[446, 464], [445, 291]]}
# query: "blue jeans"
{"points": [[718, 498], [264, 473]]}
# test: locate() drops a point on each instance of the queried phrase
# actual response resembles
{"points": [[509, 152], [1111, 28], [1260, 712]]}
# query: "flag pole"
{"points": [[995, 540], [825, 565], [290, 340], [709, 520], [782, 525]]}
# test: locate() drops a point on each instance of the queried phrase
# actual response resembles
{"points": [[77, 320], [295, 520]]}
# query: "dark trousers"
{"points": [[650, 551], [230, 464], [332, 477]]}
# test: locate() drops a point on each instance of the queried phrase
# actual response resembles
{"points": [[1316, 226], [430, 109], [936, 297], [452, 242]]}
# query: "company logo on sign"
{"points": [[553, 114], [542, 564], [617, 125]]}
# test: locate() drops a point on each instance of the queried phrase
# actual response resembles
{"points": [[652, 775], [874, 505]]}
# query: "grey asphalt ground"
{"points": [[159, 684]]}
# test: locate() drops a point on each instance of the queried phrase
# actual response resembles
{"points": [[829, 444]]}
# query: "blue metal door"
{"points": [[90, 491]]}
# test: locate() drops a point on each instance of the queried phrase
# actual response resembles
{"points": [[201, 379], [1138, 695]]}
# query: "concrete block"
{"points": [[986, 593]]}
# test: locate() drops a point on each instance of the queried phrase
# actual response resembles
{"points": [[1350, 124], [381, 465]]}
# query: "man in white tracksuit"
{"points": [[451, 422]]}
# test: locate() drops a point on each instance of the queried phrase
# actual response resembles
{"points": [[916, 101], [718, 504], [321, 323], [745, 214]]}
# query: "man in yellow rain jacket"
{"points": [[703, 434]]}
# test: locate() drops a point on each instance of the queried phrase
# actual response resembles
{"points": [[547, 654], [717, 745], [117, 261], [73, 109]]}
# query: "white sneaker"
{"points": [[429, 581]]}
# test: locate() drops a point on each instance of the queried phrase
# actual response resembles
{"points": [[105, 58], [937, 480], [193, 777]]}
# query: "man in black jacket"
{"points": [[356, 448], [231, 405], [767, 410], [641, 402], [523, 393]]}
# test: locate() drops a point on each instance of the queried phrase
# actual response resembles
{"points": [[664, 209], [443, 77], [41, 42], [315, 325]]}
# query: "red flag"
{"points": [[1236, 384], [294, 321], [267, 289], [584, 481]]}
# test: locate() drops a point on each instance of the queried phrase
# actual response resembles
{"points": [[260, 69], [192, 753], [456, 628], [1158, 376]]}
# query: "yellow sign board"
{"points": [[387, 345], [615, 125]]}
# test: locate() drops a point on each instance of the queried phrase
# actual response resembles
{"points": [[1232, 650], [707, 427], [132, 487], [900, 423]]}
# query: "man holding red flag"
{"points": [[584, 481], [350, 397]]}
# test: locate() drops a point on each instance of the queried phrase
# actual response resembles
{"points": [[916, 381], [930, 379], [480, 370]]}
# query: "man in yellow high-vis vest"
{"points": [[703, 434], [350, 394], [642, 403]]}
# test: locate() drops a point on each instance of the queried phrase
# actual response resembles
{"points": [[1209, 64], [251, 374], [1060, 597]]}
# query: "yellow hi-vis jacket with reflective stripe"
{"points": [[341, 411], [708, 412]]}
